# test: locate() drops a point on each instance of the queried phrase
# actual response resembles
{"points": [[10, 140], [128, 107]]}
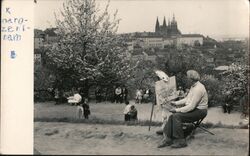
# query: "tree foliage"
{"points": [[143, 75], [88, 46], [43, 79], [214, 89], [178, 62], [236, 79]]}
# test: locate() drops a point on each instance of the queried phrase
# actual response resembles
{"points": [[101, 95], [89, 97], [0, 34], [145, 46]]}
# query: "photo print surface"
{"points": [[95, 81]]}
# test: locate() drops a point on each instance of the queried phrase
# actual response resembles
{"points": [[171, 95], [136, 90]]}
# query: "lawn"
{"points": [[114, 112], [113, 136]]}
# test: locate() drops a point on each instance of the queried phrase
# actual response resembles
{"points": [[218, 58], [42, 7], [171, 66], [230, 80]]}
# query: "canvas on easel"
{"points": [[165, 91]]}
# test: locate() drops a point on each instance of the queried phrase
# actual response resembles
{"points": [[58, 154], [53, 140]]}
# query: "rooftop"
{"points": [[38, 33], [192, 35], [50, 31]]}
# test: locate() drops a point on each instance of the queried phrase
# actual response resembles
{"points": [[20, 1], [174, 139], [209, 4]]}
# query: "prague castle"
{"points": [[170, 29], [164, 35]]}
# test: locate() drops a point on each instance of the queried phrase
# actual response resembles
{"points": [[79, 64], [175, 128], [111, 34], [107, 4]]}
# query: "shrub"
{"points": [[213, 87], [43, 81], [236, 81], [43, 95]]}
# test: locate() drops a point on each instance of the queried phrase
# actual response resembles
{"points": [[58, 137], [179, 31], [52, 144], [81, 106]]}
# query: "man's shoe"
{"points": [[165, 142], [179, 143], [159, 132]]}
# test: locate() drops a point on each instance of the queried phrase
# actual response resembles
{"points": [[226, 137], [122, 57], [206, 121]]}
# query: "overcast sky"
{"points": [[216, 18]]}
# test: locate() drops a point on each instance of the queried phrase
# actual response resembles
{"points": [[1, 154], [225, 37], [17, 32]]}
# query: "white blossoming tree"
{"points": [[89, 47]]}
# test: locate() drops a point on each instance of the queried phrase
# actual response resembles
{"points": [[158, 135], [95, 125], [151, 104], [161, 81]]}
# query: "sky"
{"points": [[214, 18]]}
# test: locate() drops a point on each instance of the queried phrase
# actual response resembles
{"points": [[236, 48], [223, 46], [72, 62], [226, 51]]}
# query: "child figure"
{"points": [[139, 96], [79, 111], [86, 109], [126, 111]]}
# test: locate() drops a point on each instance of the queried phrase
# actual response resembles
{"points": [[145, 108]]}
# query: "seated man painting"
{"points": [[195, 108]]}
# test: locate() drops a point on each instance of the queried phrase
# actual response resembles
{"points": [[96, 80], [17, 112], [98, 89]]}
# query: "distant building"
{"points": [[189, 39], [50, 35], [152, 41], [39, 37], [42, 39], [165, 35], [170, 29], [38, 54]]}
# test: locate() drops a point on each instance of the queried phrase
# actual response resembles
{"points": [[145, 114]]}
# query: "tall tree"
{"points": [[88, 46]]}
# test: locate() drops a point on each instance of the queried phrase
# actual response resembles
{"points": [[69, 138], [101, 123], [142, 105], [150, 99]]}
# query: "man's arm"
{"points": [[180, 102], [192, 101]]}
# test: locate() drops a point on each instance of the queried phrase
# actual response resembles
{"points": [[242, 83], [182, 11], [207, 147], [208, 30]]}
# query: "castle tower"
{"points": [[174, 19], [157, 25], [174, 23], [164, 23], [169, 22]]}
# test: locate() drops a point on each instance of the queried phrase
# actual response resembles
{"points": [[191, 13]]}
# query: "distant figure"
{"points": [[228, 101], [86, 108], [146, 95], [133, 113], [113, 95], [118, 93], [244, 103], [124, 93], [82, 92], [98, 94], [139, 96], [79, 110], [126, 111], [56, 96], [74, 100]]}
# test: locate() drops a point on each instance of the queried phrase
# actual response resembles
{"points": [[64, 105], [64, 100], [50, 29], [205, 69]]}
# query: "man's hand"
{"points": [[173, 103], [172, 110]]}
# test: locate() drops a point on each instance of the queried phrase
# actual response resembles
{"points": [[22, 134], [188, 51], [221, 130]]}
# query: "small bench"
{"points": [[189, 128]]}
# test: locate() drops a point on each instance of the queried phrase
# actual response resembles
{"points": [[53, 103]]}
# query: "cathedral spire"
{"points": [[157, 25], [173, 18], [164, 22]]}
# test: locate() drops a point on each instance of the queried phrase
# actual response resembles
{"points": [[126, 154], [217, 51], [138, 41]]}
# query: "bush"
{"points": [[43, 95], [43, 80], [214, 90], [236, 82]]}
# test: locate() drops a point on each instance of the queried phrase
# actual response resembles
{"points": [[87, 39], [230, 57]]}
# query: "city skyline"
{"points": [[217, 19]]}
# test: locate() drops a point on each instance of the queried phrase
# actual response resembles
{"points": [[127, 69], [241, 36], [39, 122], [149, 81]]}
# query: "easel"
{"points": [[152, 110]]}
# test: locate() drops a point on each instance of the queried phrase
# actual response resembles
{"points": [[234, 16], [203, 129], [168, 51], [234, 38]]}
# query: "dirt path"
{"points": [[67, 138]]}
